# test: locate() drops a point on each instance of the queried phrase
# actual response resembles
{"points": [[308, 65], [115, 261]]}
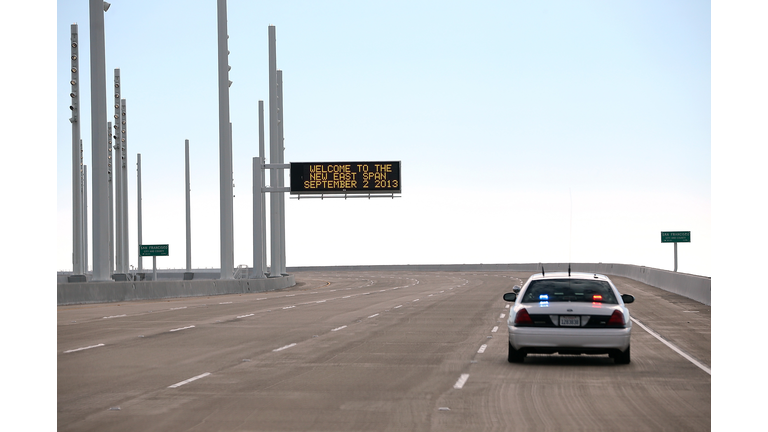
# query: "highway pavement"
{"points": [[371, 351]]}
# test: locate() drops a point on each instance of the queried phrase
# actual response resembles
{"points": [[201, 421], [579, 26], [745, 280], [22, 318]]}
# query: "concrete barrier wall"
{"points": [[205, 283], [694, 287], [108, 292]]}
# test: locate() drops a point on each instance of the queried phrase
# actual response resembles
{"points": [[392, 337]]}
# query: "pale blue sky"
{"points": [[528, 131]]}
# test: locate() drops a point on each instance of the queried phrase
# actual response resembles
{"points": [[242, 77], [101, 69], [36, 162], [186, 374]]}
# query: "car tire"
{"points": [[515, 356], [621, 357]]}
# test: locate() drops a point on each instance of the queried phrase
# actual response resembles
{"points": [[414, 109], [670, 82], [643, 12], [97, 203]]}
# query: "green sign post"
{"points": [[675, 237], [154, 251]]}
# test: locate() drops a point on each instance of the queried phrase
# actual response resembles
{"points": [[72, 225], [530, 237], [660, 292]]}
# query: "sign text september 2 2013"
{"points": [[345, 177]]}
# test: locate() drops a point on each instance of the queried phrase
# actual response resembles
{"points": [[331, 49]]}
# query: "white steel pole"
{"points": [[85, 220], [225, 148], [675, 256], [124, 195], [84, 209], [258, 241], [274, 201], [98, 138], [189, 220], [138, 206], [119, 167], [262, 196], [281, 176], [77, 192], [110, 192]]}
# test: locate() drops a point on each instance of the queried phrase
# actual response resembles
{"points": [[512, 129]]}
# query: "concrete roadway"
{"points": [[378, 351]]}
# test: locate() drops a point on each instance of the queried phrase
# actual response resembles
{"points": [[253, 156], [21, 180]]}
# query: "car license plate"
{"points": [[570, 321]]}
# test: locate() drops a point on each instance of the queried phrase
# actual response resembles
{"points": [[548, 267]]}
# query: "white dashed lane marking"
{"points": [[461, 381], [284, 348], [83, 348], [179, 384]]}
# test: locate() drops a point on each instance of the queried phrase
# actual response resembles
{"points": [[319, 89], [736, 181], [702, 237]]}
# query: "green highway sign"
{"points": [[153, 250], [675, 236]]}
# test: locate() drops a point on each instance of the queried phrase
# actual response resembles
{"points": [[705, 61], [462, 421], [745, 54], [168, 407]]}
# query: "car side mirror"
{"points": [[510, 297], [627, 298], [516, 288]]}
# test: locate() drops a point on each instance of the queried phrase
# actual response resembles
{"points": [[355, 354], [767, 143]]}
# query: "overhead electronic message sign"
{"points": [[345, 177]]}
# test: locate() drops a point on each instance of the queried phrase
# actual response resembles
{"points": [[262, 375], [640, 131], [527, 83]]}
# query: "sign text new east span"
{"points": [[345, 177]]}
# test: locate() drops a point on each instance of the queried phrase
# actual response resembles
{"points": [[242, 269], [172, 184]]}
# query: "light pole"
{"points": [[78, 273]]}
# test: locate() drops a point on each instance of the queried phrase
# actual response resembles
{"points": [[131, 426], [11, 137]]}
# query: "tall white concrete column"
{"points": [[100, 212], [225, 148]]}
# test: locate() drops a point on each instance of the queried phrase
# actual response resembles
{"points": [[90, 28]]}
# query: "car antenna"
{"points": [[569, 269], [542, 269]]}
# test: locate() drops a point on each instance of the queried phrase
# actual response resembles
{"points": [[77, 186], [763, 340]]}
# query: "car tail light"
{"points": [[522, 318], [616, 319]]}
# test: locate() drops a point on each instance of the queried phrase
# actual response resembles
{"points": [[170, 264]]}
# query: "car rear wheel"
{"points": [[515, 356], [621, 357]]}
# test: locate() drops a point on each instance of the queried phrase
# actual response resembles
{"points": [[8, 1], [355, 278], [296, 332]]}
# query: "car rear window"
{"points": [[569, 290]]}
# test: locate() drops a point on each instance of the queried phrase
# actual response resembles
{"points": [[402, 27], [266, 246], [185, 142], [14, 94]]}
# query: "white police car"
{"points": [[569, 313]]}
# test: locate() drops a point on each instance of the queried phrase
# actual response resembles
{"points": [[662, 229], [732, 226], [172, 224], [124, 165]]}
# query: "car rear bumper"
{"points": [[596, 341]]}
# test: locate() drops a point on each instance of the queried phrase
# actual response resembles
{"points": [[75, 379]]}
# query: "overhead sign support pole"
{"points": [[281, 175], [274, 200], [263, 197], [258, 222]]}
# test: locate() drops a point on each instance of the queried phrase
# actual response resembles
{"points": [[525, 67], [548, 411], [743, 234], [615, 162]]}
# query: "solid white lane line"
{"points": [[339, 328], [179, 384], [482, 348], [674, 348], [462, 380], [183, 328], [285, 347], [83, 348]]}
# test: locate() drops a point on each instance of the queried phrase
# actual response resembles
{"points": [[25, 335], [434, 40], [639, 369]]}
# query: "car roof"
{"points": [[566, 275]]}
